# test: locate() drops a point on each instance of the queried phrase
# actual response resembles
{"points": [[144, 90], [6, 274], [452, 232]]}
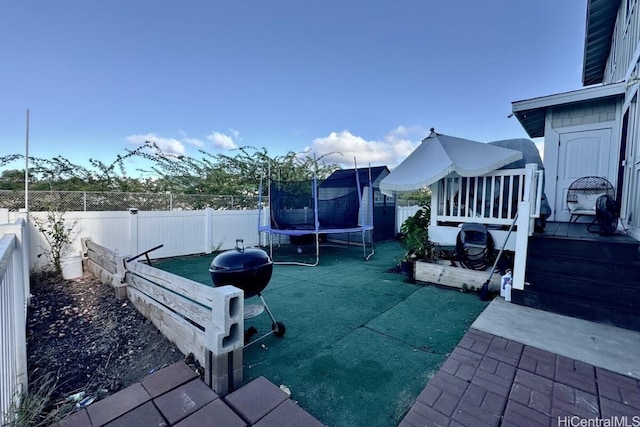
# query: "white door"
{"points": [[586, 153]]}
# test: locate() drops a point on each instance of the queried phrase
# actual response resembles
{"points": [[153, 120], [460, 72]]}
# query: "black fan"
{"points": [[607, 214]]}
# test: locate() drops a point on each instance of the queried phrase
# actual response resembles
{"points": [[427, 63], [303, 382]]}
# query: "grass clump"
{"points": [[38, 408]]}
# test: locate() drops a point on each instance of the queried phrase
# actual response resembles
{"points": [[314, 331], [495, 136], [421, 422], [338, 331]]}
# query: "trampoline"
{"points": [[315, 208]]}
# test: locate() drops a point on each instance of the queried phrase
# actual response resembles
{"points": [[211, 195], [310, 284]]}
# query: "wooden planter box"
{"points": [[456, 277]]}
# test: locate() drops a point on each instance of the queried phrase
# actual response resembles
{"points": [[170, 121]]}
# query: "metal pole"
{"points": [[26, 169]]}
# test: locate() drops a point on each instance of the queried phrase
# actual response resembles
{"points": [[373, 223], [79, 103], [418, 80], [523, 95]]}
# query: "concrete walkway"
{"points": [[518, 366]]}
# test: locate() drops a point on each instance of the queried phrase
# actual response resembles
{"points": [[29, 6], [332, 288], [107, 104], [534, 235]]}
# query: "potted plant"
{"points": [[414, 238]]}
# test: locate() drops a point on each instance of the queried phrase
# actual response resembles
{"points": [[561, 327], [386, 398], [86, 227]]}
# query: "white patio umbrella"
{"points": [[440, 155]]}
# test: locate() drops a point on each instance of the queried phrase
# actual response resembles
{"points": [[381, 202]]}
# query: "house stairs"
{"points": [[578, 273]]}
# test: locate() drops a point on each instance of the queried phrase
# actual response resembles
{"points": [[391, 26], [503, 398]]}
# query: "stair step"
{"points": [[616, 250], [611, 314], [595, 268], [622, 292]]}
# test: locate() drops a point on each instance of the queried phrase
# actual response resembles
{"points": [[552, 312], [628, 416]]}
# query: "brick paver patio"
{"points": [[492, 381]]}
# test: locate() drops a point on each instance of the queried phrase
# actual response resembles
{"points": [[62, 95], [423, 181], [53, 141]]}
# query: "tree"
{"points": [[221, 174]]}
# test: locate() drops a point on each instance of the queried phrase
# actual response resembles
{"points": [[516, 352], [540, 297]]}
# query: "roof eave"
{"points": [[600, 24], [531, 113]]}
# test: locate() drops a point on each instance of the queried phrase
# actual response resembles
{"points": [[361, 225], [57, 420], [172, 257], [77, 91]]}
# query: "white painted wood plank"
{"points": [[183, 306], [181, 333], [182, 286], [455, 277]]}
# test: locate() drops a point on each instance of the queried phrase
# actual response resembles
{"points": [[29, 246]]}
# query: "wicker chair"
{"points": [[583, 193]]}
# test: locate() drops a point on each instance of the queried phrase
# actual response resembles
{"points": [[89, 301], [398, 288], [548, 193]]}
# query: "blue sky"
{"points": [[365, 79]]}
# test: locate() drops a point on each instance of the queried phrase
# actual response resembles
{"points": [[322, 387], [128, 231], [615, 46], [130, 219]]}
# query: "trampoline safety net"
{"points": [[293, 206]]}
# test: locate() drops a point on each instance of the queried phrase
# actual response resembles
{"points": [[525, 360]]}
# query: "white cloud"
{"points": [[194, 141], [191, 141], [342, 147], [169, 146], [223, 141]]}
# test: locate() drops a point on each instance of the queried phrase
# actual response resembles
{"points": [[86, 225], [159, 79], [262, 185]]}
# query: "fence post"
{"points": [[25, 245], [208, 230], [133, 231], [224, 340]]}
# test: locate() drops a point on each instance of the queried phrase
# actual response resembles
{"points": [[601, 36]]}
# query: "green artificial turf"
{"points": [[361, 342]]}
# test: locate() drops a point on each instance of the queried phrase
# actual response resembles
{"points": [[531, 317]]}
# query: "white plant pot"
{"points": [[71, 267]]}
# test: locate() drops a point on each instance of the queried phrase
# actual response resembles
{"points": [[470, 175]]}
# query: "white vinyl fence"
{"points": [[131, 233], [179, 232], [14, 294], [404, 212]]}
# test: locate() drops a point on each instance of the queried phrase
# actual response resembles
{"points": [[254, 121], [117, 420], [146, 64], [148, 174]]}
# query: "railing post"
{"points": [[522, 243], [530, 193], [437, 196]]}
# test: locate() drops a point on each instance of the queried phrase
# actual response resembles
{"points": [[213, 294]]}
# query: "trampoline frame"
{"points": [[317, 231]]}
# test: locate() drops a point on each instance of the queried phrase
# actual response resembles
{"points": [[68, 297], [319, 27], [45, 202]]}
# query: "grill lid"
{"points": [[239, 259]]}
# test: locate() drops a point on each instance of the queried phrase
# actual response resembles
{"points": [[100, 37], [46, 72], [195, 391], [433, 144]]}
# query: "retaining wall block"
{"points": [[225, 333]]}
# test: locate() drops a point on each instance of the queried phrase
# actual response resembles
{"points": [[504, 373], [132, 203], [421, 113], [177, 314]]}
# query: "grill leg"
{"points": [[266, 307]]}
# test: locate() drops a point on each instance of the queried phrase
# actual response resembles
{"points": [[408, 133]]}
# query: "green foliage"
{"points": [[237, 174], [415, 235], [421, 197], [225, 174], [36, 407], [57, 232]]}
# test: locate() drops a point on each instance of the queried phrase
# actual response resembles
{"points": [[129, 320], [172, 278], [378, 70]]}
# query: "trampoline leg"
{"points": [[364, 246]]}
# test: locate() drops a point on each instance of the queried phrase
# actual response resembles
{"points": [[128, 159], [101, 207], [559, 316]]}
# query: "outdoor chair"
{"points": [[583, 193]]}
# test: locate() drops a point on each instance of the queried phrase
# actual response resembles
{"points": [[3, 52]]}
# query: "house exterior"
{"points": [[595, 131], [566, 267]]}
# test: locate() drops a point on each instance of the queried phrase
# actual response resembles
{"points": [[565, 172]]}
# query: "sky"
{"points": [[363, 79]]}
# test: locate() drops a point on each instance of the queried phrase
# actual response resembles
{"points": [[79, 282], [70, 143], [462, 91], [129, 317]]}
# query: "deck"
{"points": [[575, 271], [582, 231]]}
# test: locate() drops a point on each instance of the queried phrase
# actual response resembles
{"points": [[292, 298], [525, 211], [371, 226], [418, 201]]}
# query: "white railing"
{"points": [[500, 198], [489, 199], [14, 293], [529, 210]]}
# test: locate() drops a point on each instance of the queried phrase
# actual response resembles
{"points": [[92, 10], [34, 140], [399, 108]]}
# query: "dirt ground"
{"points": [[90, 343]]}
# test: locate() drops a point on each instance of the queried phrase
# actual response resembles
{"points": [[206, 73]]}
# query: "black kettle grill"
{"points": [[248, 269]]}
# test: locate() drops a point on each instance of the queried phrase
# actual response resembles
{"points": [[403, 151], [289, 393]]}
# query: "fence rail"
{"points": [[91, 201], [14, 292]]}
